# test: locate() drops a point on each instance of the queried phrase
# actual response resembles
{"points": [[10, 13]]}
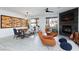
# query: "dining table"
{"points": [[22, 31]]}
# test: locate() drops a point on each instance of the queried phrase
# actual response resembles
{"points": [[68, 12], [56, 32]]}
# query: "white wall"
{"points": [[8, 31], [10, 13]]}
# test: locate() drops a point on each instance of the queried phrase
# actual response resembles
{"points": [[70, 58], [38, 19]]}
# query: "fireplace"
{"points": [[67, 29], [68, 22]]}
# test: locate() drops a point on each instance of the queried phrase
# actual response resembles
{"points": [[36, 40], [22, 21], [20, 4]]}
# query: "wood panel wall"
{"points": [[12, 22]]}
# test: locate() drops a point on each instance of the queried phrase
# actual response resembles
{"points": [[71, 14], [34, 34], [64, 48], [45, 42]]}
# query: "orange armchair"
{"points": [[51, 33], [47, 40], [75, 37]]}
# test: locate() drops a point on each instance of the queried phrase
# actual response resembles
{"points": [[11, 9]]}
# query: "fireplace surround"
{"points": [[68, 22]]}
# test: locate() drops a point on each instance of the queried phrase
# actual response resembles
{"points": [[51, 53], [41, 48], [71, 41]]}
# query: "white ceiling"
{"points": [[32, 11]]}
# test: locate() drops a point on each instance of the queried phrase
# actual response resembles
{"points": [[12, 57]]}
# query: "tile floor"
{"points": [[32, 43]]}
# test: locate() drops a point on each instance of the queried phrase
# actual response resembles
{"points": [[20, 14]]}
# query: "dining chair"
{"points": [[17, 33]]}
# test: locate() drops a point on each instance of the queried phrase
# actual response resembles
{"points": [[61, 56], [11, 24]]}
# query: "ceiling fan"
{"points": [[47, 10]]}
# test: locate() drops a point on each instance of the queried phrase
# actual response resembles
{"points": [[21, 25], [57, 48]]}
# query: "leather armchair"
{"points": [[75, 37]]}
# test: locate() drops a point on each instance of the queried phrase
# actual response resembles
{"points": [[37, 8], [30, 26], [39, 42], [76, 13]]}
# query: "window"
{"points": [[34, 22], [52, 23]]}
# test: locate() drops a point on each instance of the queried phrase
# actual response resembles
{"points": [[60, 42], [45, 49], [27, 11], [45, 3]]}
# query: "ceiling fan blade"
{"points": [[48, 10]]}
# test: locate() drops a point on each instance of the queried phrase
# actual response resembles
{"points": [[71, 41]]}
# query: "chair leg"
{"points": [[15, 36]]}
